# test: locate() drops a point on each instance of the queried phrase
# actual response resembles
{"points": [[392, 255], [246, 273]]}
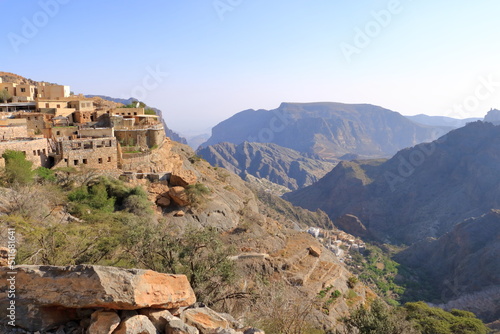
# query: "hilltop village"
{"points": [[55, 128]]}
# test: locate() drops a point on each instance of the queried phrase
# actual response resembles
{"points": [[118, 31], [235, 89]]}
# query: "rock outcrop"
{"points": [[107, 300]]}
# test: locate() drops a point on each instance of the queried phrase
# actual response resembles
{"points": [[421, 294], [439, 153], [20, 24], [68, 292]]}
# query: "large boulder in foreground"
{"points": [[87, 286], [44, 293]]}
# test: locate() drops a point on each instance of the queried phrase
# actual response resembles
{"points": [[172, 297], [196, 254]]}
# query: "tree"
{"points": [[17, 168], [433, 320], [378, 319], [4, 96], [199, 254]]}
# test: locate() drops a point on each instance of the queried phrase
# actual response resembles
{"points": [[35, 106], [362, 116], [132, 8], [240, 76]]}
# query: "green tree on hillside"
{"points": [[17, 168]]}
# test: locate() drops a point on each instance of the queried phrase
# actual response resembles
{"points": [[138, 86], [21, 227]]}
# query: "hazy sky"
{"points": [[201, 61]]}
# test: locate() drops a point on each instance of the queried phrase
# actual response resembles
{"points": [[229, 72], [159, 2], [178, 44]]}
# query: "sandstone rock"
{"points": [[163, 201], [158, 188], [179, 213], [183, 178], [179, 196], [314, 251], [159, 318], [42, 289], [104, 322], [205, 319], [4, 256], [177, 326], [138, 324]]}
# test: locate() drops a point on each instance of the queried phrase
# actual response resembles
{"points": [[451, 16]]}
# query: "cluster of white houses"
{"points": [[55, 129]]}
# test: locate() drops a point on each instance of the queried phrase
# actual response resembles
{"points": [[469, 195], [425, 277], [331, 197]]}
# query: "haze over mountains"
{"points": [[327, 129], [421, 192]]}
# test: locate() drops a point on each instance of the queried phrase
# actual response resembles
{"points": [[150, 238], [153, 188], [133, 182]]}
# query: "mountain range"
{"points": [[327, 129], [423, 191]]}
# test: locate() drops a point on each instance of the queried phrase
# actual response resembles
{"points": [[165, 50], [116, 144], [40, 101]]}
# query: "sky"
{"points": [[202, 61]]}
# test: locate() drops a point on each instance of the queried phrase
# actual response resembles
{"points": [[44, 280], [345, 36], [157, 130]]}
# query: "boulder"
{"points": [[158, 317], [163, 201], [177, 326], [138, 324], [205, 319], [183, 178], [179, 196], [179, 213], [4, 256], [103, 322], [314, 251], [48, 295], [158, 188]]}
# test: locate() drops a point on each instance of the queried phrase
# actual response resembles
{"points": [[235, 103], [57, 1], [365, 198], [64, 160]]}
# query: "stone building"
{"points": [[36, 150], [99, 153]]}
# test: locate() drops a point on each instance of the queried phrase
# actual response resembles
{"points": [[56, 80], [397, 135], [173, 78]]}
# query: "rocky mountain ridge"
{"points": [[463, 265], [329, 130], [421, 192], [277, 164]]}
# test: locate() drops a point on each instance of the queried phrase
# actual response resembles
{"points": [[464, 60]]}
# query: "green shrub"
{"points": [[17, 168], [197, 193], [45, 174]]}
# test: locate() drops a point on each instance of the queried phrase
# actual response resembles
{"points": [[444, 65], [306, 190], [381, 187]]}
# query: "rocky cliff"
{"points": [[421, 192], [275, 163], [463, 265], [329, 130]]}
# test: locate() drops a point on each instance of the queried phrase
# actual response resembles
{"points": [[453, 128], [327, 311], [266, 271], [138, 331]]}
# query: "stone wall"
{"points": [[36, 150], [10, 132], [137, 162], [96, 132], [142, 137], [99, 153]]}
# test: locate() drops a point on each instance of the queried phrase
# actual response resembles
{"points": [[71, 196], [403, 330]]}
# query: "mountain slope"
{"points": [[277, 164], [421, 192], [442, 121], [327, 129], [463, 265]]}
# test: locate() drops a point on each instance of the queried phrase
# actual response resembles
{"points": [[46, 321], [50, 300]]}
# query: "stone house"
{"points": [[98, 153], [36, 150]]}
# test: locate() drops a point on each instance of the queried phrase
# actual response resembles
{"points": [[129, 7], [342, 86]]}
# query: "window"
{"points": [[47, 105], [65, 160], [43, 151], [58, 133], [84, 161], [34, 152], [23, 90], [99, 160], [58, 106], [75, 162], [109, 159]]}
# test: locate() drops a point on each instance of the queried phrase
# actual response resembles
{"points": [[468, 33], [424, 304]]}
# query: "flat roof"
{"points": [[18, 104]]}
